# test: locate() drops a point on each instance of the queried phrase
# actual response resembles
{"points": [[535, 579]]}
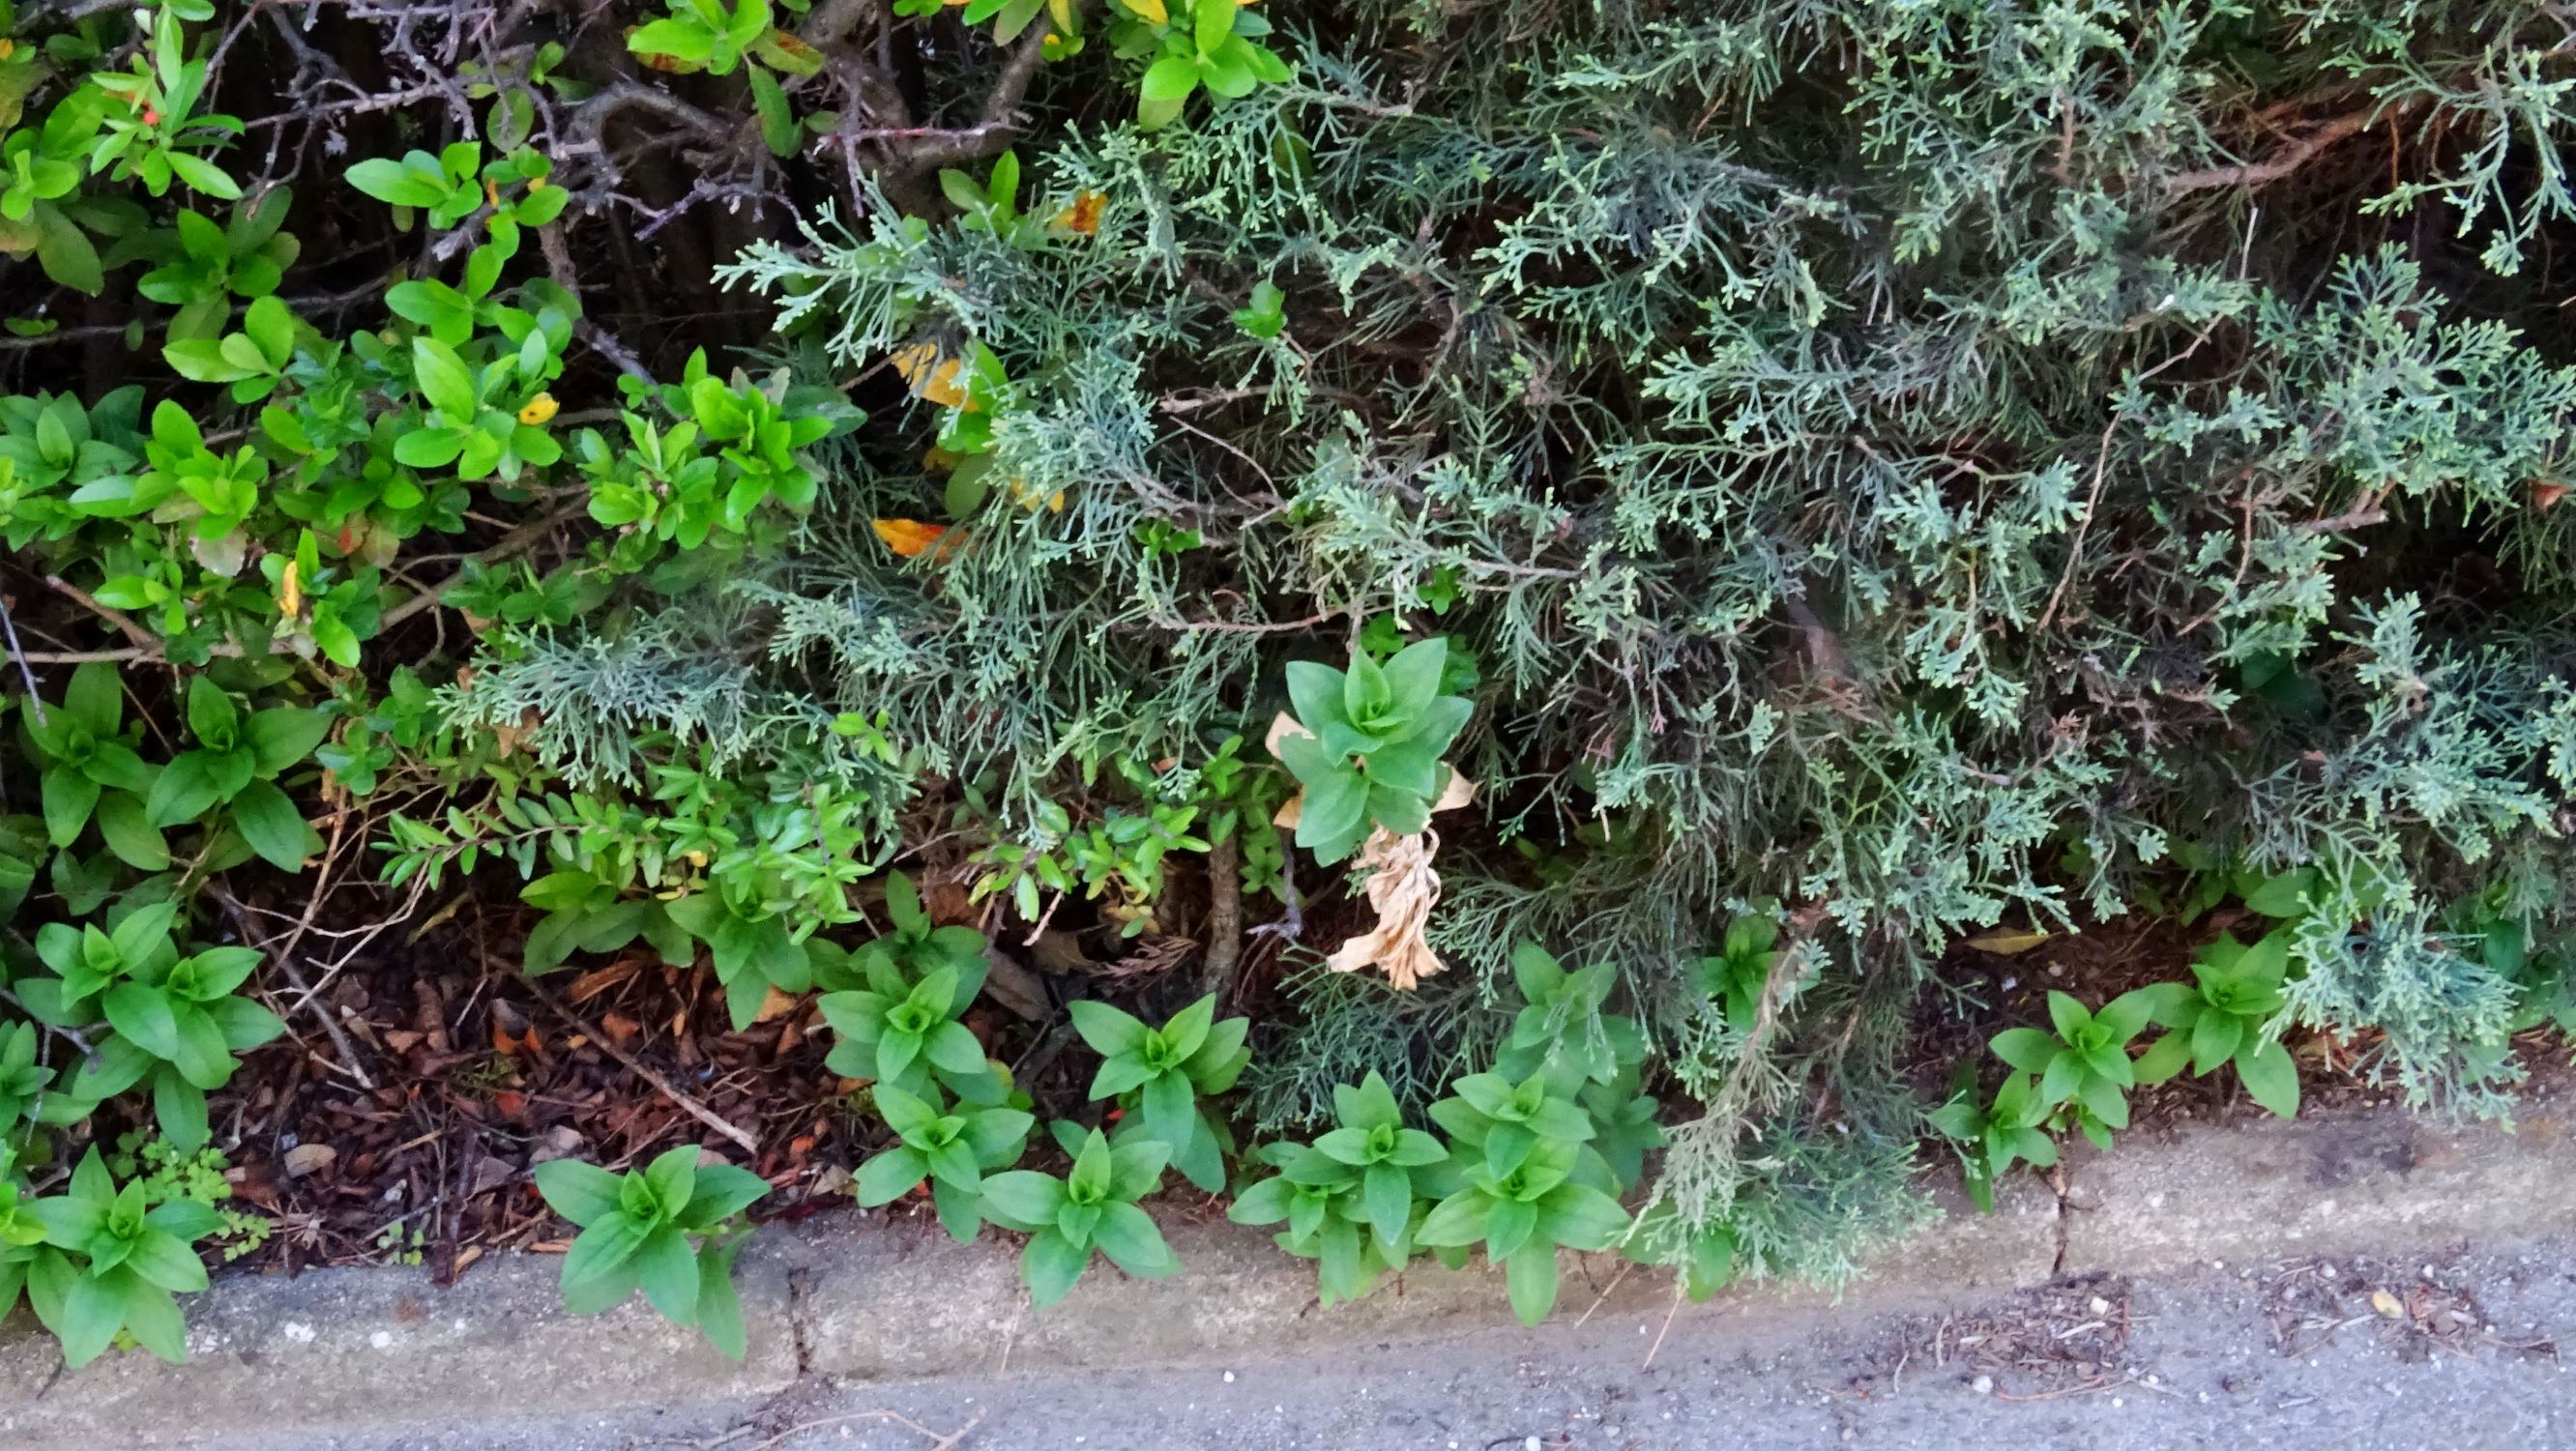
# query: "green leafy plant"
{"points": [[1994, 1136], [1739, 972], [176, 1021], [902, 1028], [953, 1151], [2084, 1062], [1351, 1199], [1561, 1032], [2221, 1017], [90, 766], [1504, 1123], [1525, 1213], [670, 1229], [1161, 1077], [169, 1174], [1369, 751], [1266, 315], [22, 1078], [235, 765], [1093, 1208], [154, 132], [106, 1264], [1211, 44]]}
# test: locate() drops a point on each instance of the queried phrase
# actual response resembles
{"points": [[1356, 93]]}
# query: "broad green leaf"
{"points": [[583, 1193], [273, 827], [400, 184], [2270, 1077], [444, 379], [669, 1274], [1050, 1265]]}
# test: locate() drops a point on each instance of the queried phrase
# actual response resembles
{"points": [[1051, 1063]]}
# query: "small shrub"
{"points": [[670, 1229]]}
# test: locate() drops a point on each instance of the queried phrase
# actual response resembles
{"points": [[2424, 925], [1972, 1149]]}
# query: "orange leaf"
{"points": [[907, 537], [2543, 496], [929, 375], [1084, 215]]}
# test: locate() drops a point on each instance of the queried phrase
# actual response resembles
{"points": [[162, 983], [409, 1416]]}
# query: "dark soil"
{"points": [[476, 1074]]}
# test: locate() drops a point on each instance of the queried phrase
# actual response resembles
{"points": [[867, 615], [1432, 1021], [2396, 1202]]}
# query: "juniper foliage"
{"points": [[1914, 461]]}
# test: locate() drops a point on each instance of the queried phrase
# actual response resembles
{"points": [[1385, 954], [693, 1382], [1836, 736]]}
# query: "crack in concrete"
{"points": [[800, 1286], [2057, 1185]]}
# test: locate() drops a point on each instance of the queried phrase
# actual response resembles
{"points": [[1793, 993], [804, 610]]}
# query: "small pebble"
{"points": [[1229, 1377], [1983, 1385], [1530, 1444], [2101, 1306]]}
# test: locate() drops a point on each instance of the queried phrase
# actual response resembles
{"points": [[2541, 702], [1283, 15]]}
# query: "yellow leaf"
{"points": [[1083, 217], [929, 375], [907, 537], [2387, 1305], [2008, 941], [1150, 9], [540, 409], [290, 593]]}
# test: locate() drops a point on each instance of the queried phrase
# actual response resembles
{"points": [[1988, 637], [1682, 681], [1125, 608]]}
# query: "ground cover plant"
{"points": [[1478, 625]]}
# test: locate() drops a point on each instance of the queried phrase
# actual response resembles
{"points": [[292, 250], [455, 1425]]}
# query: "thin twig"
{"points": [[338, 1035], [635, 1065], [1668, 1327], [2279, 164], [1615, 1282], [2083, 526], [121, 620]]}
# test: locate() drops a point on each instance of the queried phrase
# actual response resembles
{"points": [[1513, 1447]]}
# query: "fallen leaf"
{"points": [[599, 980], [1014, 986], [774, 1007], [508, 738], [560, 1142], [290, 594], [2387, 1305], [2008, 941], [308, 1159], [930, 376], [907, 537], [1083, 217], [2545, 495]]}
